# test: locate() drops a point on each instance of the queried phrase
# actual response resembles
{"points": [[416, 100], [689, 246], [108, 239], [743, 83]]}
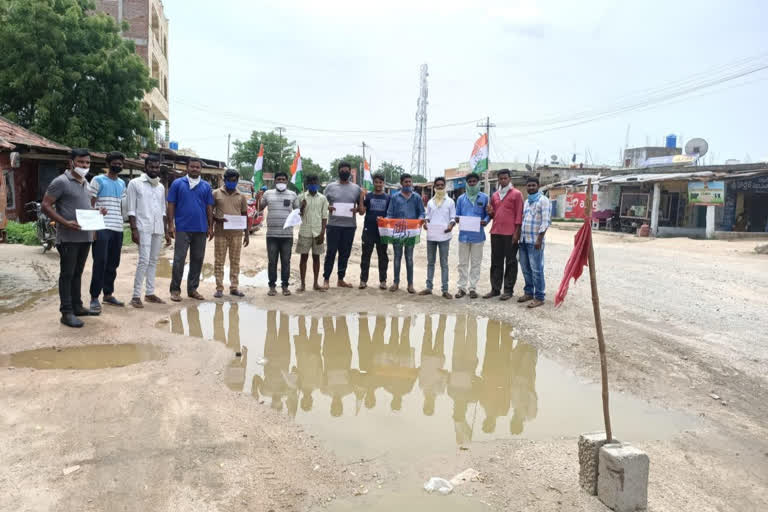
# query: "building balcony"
{"points": [[156, 105]]}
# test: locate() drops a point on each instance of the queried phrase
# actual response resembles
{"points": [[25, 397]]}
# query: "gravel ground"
{"points": [[683, 319]]}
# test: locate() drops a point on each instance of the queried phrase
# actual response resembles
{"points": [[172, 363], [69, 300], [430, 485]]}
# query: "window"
{"points": [[10, 192]]}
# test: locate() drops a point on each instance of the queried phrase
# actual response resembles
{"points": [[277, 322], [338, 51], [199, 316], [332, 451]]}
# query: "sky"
{"points": [[337, 73]]}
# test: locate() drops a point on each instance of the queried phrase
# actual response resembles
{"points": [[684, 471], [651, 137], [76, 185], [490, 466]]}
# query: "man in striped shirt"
{"points": [[107, 191], [537, 213], [280, 201]]}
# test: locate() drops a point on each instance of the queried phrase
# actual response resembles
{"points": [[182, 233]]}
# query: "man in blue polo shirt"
{"points": [[472, 203], [190, 220], [404, 205]]}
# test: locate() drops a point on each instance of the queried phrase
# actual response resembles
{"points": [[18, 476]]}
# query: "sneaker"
{"points": [[460, 294], [472, 294]]}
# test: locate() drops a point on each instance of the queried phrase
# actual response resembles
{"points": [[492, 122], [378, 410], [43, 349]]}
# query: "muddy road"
{"points": [[353, 399]]}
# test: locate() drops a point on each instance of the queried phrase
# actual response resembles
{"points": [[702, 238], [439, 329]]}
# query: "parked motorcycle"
{"points": [[46, 228]]}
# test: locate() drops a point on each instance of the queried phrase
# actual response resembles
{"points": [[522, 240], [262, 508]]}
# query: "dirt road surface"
{"points": [[684, 320]]}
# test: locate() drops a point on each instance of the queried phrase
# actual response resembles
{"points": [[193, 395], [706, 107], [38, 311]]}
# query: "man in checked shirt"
{"points": [[537, 213]]}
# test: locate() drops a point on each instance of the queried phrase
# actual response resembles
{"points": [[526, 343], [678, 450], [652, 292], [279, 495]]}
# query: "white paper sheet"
{"points": [[90, 220], [238, 222], [293, 219], [468, 223], [343, 209], [436, 230]]}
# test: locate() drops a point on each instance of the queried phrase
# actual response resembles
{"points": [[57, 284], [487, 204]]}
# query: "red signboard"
{"points": [[575, 204]]}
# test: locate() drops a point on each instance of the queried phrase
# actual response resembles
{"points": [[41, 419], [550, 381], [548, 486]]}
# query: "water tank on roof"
{"points": [[671, 141], [174, 145]]}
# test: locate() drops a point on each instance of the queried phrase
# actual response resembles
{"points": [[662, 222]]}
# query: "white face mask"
{"points": [[81, 171], [193, 182], [153, 181], [281, 186]]}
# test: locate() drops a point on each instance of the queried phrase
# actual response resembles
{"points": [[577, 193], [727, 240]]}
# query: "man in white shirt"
{"points": [[440, 219], [146, 214]]}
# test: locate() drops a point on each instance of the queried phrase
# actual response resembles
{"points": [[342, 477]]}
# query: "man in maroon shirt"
{"points": [[506, 209]]}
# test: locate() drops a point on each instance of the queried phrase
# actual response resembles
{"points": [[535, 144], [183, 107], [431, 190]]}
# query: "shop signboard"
{"points": [[575, 204], [706, 193]]}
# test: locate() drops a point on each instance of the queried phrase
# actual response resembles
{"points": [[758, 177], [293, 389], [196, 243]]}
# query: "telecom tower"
{"points": [[419, 156]]}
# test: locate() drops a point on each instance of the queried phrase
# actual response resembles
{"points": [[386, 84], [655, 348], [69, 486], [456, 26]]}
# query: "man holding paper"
{"points": [[230, 208], [440, 218], [472, 217], [67, 194], [280, 201], [345, 199]]}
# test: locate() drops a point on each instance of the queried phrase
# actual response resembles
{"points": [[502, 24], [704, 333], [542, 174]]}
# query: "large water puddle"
{"points": [[369, 383], [84, 357]]}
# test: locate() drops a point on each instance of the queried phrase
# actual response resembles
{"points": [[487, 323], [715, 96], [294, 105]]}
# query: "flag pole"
{"points": [[598, 319]]}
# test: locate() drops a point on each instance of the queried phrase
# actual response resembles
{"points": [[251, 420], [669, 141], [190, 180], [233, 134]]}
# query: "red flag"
{"points": [[576, 263]]}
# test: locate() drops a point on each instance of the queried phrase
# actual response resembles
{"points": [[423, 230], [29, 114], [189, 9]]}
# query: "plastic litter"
{"points": [[438, 484]]}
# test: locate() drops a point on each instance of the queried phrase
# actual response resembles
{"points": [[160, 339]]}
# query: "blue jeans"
{"points": [[432, 248], [408, 262], [340, 239], [532, 263], [106, 258]]}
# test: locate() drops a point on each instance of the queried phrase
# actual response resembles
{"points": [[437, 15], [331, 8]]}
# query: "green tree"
{"points": [[355, 161], [66, 73], [391, 171], [275, 145], [311, 167]]}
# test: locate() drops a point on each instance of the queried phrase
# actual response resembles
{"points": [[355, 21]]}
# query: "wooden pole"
{"points": [[598, 320]]}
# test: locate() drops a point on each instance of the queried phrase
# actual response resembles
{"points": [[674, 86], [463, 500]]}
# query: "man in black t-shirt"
{"points": [[374, 206]]}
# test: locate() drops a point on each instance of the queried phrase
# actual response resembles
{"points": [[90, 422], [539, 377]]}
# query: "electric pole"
{"points": [[229, 137], [487, 125], [280, 131]]}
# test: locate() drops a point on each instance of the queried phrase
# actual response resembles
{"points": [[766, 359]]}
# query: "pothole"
{"points": [[84, 357], [409, 385]]}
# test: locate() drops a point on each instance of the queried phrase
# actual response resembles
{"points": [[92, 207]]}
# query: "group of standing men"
{"points": [[518, 226], [192, 214]]}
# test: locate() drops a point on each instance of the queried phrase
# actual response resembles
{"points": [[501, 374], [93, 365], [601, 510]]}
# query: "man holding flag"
{"points": [[405, 205]]}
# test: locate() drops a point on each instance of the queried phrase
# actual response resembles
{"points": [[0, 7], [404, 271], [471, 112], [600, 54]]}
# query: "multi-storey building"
{"points": [[148, 29]]}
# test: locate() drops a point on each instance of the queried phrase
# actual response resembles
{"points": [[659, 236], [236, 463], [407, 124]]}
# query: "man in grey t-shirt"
{"points": [[66, 194], [340, 233], [280, 202]]}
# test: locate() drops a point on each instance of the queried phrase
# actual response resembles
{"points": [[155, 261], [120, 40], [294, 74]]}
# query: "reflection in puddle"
{"points": [[415, 383], [246, 278], [84, 357]]}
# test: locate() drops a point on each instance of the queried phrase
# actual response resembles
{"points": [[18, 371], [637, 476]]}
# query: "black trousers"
{"points": [[365, 260], [195, 244], [279, 247], [503, 263], [106, 258], [340, 239], [73, 256]]}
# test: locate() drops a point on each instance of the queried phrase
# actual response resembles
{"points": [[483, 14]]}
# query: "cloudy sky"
{"points": [[561, 77]]}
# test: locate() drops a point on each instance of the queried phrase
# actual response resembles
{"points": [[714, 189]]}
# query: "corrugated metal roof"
{"points": [[624, 179], [11, 132]]}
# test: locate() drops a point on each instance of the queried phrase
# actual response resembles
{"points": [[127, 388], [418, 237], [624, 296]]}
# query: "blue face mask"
{"points": [[231, 185], [313, 188], [407, 189]]}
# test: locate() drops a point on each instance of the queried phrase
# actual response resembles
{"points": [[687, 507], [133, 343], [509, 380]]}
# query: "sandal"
{"points": [[154, 299], [195, 295]]}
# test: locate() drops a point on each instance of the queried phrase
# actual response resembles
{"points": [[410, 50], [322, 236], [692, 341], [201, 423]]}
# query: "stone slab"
{"points": [[589, 449], [622, 482]]}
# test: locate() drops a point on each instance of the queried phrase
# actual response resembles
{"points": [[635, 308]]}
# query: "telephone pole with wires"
{"points": [[280, 131], [487, 125]]}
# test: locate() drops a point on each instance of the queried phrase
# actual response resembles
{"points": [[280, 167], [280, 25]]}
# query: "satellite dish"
{"points": [[698, 147], [553, 158]]}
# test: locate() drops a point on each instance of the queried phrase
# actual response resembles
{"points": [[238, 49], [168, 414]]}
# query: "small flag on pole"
{"points": [[479, 159], [399, 231], [367, 177], [258, 176], [577, 261], [297, 176]]}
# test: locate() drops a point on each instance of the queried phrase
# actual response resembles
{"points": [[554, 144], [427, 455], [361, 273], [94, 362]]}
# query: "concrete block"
{"points": [[622, 482], [589, 449]]}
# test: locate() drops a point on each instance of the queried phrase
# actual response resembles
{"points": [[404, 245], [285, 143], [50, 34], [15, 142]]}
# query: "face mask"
{"points": [[193, 182], [230, 185], [440, 194], [154, 181], [115, 169], [281, 186], [81, 171], [407, 190], [344, 175], [313, 188]]}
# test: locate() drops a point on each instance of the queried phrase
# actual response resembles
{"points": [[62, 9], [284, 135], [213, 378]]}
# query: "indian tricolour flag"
{"points": [[367, 177], [478, 162], [399, 231], [297, 176], [258, 177]]}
